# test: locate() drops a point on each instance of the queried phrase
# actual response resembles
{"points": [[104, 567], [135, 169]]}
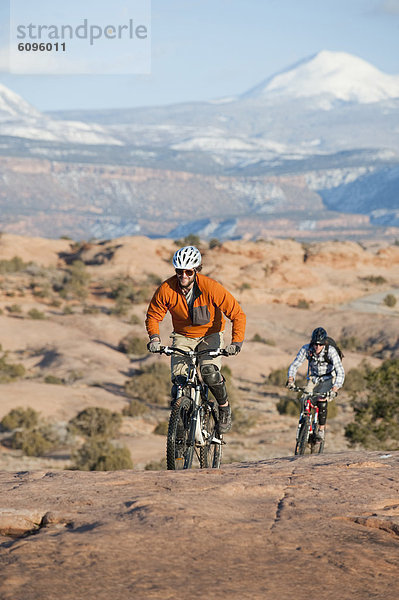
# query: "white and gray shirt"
{"points": [[321, 366]]}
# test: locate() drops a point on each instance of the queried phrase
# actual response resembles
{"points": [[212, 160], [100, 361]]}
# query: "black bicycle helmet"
{"points": [[319, 336]]}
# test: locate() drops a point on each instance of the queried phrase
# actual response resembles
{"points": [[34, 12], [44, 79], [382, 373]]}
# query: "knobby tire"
{"points": [[179, 453], [316, 447], [211, 453], [302, 438]]}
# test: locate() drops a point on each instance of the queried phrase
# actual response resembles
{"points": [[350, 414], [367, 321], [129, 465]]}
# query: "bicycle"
{"points": [[194, 418], [308, 425]]}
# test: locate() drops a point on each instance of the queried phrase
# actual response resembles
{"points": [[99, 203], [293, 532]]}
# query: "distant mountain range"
{"points": [[311, 150]]}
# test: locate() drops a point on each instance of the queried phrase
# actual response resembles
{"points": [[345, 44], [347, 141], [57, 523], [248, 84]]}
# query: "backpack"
{"points": [[330, 342], [333, 343]]}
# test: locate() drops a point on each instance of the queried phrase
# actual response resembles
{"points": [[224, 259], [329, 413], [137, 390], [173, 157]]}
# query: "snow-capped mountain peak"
{"points": [[14, 107], [338, 75]]}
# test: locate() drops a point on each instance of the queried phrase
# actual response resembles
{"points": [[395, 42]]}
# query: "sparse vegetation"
{"points": [[20, 417], [10, 371], [13, 265], [96, 422], [98, 454], [390, 300], [161, 428], [289, 405], [132, 344], [261, 340], [152, 384], [376, 424], [14, 309], [34, 313], [75, 282], [214, 243], [303, 304], [54, 380], [135, 408], [374, 279], [156, 465], [33, 436], [190, 240]]}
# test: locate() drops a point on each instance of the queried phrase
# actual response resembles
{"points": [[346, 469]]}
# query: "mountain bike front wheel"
{"points": [[179, 449], [303, 437], [211, 453]]}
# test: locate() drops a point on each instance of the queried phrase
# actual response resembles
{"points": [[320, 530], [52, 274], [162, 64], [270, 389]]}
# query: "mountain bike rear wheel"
{"points": [[211, 453], [303, 437], [316, 446], [179, 451]]}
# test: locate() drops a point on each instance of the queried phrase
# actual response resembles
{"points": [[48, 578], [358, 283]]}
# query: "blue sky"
{"points": [[205, 49]]}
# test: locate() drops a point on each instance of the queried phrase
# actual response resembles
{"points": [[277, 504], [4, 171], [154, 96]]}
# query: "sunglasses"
{"points": [[188, 272]]}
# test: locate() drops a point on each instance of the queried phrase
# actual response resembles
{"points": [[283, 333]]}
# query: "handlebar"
{"points": [[169, 350], [312, 395]]}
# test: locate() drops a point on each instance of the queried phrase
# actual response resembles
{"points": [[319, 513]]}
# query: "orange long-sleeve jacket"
{"points": [[211, 301]]}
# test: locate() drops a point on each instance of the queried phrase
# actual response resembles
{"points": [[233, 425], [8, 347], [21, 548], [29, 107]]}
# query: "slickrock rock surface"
{"points": [[298, 527]]}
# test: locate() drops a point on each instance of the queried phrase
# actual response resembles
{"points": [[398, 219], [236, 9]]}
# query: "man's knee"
{"points": [[322, 412], [215, 381]]}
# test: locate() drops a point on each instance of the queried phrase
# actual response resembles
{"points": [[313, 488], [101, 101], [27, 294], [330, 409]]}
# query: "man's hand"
{"points": [[331, 395], [154, 345], [233, 349], [290, 383]]}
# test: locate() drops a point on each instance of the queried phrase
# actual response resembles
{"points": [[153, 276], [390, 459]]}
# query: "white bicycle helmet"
{"points": [[188, 257]]}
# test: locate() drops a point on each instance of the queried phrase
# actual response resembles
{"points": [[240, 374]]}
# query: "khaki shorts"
{"points": [[179, 363]]}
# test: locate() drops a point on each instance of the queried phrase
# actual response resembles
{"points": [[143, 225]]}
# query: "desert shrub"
{"points": [[10, 371], [376, 424], [12, 265], [90, 310], [96, 422], [375, 279], [152, 384], [126, 292], [75, 282], [135, 320], [277, 377], [98, 454], [153, 279], [261, 340], [242, 420], [34, 313], [355, 379], [131, 344], [390, 300], [351, 343], [190, 240], [156, 465], [135, 408], [214, 243], [14, 309], [20, 417], [288, 405], [34, 442], [303, 304], [161, 428], [73, 376], [245, 286], [67, 310], [54, 380]]}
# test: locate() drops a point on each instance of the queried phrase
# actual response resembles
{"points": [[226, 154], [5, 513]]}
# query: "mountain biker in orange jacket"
{"points": [[197, 304], [325, 371]]}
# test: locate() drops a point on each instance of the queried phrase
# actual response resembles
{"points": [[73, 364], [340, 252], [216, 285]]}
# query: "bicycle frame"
{"points": [[308, 423], [193, 393]]}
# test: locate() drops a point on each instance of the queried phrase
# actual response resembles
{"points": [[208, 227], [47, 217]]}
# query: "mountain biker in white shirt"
{"points": [[325, 371]]}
